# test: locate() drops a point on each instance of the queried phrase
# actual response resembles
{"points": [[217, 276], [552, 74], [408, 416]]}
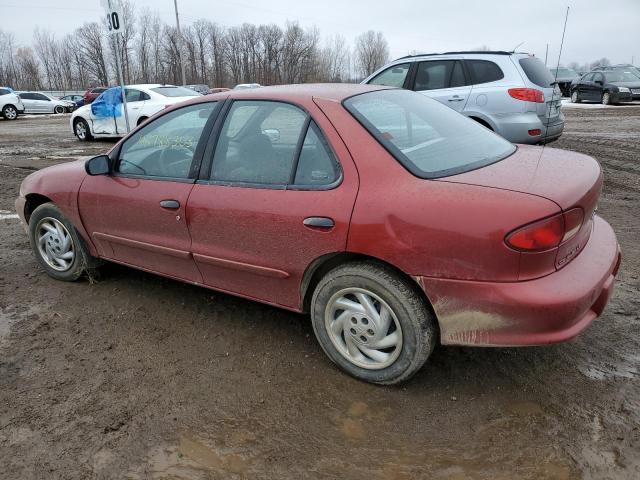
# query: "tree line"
{"points": [[218, 56]]}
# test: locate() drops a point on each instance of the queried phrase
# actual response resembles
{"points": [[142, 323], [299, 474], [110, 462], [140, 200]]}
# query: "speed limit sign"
{"points": [[115, 20]]}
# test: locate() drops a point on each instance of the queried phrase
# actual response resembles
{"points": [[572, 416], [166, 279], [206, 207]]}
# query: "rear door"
{"points": [[278, 193], [137, 214], [443, 80]]}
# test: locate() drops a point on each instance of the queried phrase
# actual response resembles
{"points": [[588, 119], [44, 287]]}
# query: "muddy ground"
{"points": [[140, 377]]}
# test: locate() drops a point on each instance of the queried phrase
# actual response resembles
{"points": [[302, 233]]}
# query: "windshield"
{"points": [[428, 138], [175, 91], [620, 76], [536, 72]]}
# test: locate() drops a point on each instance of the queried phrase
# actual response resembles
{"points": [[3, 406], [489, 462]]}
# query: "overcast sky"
{"points": [[595, 29]]}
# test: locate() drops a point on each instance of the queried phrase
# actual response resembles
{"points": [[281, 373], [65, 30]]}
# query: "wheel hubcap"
{"points": [[80, 130], [10, 113], [363, 328], [55, 244]]}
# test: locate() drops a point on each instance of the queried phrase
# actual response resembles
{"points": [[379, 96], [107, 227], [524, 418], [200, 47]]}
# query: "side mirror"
{"points": [[100, 165]]}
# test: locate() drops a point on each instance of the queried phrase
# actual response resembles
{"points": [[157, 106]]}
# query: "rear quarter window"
{"points": [[484, 71], [536, 72]]}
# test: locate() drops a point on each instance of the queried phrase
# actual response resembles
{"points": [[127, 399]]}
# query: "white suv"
{"points": [[513, 94], [10, 104]]}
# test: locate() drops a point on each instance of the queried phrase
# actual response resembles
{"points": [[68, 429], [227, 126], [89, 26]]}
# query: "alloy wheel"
{"points": [[81, 131], [10, 113], [55, 244], [363, 328]]}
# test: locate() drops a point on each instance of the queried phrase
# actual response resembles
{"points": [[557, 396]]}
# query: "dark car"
{"points": [[564, 78], [606, 86], [93, 93], [393, 220]]}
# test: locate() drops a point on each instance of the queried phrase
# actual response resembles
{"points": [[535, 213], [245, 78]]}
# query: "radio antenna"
{"points": [[554, 84], [514, 48]]}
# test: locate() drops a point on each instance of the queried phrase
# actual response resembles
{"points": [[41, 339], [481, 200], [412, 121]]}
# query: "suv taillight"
{"points": [[547, 233], [527, 94]]}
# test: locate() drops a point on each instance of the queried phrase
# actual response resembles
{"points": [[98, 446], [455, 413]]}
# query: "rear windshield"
{"points": [[564, 72], [175, 91], [430, 139], [536, 71]]}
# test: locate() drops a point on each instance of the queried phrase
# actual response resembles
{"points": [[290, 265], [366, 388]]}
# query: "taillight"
{"points": [[527, 94], [547, 233]]}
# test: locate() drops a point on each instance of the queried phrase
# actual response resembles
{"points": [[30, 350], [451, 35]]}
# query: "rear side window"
{"points": [[433, 75], [428, 138], [484, 71], [536, 72], [316, 165], [392, 77]]}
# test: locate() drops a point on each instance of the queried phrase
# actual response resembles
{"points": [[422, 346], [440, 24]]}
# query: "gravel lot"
{"points": [[139, 377]]}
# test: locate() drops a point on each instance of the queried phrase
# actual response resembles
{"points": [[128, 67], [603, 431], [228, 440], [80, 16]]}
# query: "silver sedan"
{"points": [[37, 102]]}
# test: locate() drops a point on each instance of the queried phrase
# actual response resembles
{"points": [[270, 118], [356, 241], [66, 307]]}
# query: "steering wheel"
{"points": [[173, 167]]}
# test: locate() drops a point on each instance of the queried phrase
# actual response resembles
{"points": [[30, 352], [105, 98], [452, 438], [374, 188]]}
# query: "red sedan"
{"points": [[395, 221]]}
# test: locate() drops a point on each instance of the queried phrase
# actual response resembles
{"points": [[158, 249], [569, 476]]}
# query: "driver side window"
{"points": [[165, 147]]}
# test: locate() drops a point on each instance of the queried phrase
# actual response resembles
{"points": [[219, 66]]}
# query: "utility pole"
{"points": [[546, 54], [180, 44]]}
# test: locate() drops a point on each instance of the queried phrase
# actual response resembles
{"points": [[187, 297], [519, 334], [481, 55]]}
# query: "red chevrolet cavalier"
{"points": [[395, 221]]}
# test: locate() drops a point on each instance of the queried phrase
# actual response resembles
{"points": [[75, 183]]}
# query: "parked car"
{"points": [[78, 100], [143, 101], [219, 89], [564, 77], [606, 86], [395, 221], [509, 93], [37, 102], [622, 66], [246, 86], [10, 104], [201, 89], [91, 94]]}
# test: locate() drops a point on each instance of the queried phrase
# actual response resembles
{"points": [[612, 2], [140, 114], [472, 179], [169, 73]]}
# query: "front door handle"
{"points": [[319, 222], [171, 204], [455, 99]]}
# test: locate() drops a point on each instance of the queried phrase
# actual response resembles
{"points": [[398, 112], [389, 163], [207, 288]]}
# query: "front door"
{"points": [[276, 198], [137, 214]]}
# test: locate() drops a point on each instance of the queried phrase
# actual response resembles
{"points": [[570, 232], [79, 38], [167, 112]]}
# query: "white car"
{"points": [[143, 101], [36, 102], [10, 104]]}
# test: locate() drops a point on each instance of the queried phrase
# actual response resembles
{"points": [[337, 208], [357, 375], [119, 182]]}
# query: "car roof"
{"points": [[329, 91], [463, 52]]}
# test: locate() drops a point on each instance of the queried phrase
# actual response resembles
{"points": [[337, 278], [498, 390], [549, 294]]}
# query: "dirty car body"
{"points": [[264, 193]]}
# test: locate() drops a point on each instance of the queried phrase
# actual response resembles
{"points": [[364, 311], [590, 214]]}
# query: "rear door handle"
{"points": [[171, 204], [319, 222]]}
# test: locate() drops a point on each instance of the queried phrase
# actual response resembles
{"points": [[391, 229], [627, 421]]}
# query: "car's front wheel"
{"points": [[9, 112], [373, 323], [574, 97], [81, 129], [56, 244], [58, 109], [606, 98]]}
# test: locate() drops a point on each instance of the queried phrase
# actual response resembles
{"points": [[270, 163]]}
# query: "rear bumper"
{"points": [[516, 128], [550, 309]]}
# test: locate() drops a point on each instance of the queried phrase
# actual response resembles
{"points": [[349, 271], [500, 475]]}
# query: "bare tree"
{"points": [[371, 52]]}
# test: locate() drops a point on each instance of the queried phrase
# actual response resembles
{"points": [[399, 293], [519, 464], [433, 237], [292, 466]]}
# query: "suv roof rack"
{"points": [[486, 52]]}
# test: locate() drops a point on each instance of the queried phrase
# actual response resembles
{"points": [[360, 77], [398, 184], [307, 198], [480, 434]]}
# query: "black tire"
{"points": [[82, 260], [141, 120], [418, 325], [9, 112], [81, 130], [575, 97], [59, 109], [606, 99]]}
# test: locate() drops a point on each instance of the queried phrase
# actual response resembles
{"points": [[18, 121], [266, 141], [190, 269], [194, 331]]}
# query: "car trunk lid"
{"points": [[567, 178]]}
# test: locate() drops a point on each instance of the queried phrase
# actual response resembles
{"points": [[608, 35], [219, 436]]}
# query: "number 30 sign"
{"points": [[115, 20]]}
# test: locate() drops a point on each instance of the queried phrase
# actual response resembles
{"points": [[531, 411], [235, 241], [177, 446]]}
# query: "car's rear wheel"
{"points": [[81, 129], [9, 112], [575, 98], [606, 98], [373, 323], [58, 109], [56, 244]]}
